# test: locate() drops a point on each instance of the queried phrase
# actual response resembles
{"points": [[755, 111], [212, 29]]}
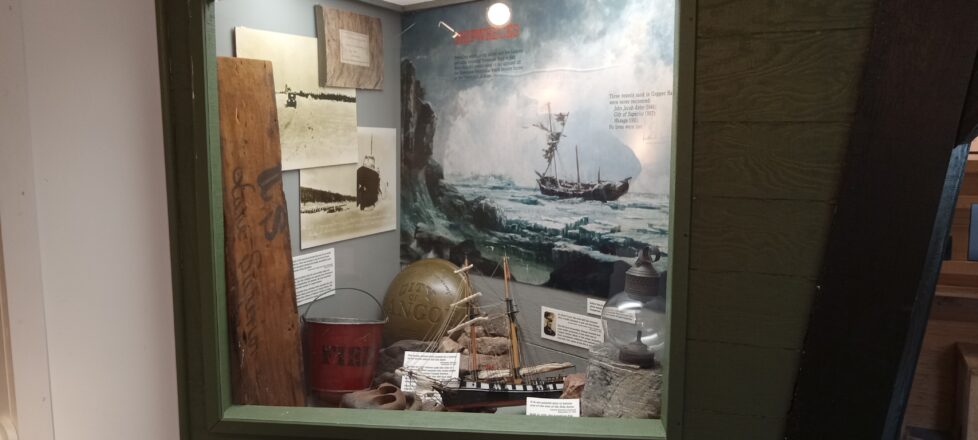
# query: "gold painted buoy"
{"points": [[418, 301]]}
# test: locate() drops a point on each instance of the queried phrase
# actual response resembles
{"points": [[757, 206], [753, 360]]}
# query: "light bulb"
{"points": [[499, 14]]}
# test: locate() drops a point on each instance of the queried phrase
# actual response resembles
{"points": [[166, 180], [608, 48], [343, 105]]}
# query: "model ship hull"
{"points": [[475, 395], [601, 191]]}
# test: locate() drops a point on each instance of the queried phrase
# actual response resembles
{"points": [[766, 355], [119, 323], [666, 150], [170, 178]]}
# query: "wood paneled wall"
{"points": [[775, 91]]}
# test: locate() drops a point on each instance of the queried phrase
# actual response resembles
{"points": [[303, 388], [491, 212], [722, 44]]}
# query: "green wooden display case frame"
{"points": [[189, 95]]}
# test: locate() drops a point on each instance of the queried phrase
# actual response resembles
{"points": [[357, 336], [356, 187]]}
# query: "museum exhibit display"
{"points": [[453, 195], [626, 219], [562, 234]]}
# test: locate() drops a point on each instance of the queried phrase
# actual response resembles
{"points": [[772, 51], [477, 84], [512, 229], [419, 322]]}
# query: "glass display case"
{"points": [[414, 220]]}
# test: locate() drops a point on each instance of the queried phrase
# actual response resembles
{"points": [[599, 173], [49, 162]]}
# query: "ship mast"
{"points": [[553, 139], [514, 349], [550, 121], [577, 160], [473, 352]]}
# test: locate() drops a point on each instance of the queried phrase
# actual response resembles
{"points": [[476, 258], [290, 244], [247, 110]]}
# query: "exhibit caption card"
{"points": [[354, 48], [570, 328], [438, 366], [596, 306], [315, 275], [536, 406]]}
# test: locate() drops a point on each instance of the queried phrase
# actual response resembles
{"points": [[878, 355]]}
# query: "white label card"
{"points": [[354, 48], [536, 406], [438, 366], [595, 306], [570, 328], [315, 274]]}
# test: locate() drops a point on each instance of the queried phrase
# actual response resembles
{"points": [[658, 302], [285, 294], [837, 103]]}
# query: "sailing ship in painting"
{"points": [[492, 388], [553, 185]]}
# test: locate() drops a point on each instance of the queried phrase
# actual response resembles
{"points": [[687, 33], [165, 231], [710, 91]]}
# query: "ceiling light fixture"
{"points": [[499, 14]]}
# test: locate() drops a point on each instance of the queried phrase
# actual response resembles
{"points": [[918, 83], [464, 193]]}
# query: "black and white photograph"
{"points": [[349, 201], [317, 125]]}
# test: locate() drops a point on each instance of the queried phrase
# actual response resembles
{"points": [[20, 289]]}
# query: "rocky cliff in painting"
{"points": [[435, 218]]}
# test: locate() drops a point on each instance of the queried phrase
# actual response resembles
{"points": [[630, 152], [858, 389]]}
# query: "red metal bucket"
{"points": [[341, 354]]}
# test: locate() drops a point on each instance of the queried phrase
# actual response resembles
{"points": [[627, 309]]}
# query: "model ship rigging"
{"points": [[553, 185], [494, 387]]}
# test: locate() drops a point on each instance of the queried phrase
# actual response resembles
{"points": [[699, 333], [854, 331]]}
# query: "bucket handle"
{"points": [[328, 292]]}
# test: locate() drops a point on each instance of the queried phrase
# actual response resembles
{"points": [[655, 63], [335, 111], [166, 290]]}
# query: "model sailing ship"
{"points": [[552, 185], [494, 388]]}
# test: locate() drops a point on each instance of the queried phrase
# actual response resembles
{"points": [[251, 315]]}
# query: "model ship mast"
{"points": [[514, 342], [473, 340]]}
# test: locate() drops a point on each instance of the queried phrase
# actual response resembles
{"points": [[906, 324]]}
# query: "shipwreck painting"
{"points": [[546, 140]]}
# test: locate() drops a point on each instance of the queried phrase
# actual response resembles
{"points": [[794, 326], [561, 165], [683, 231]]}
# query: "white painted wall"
{"points": [[84, 220]]}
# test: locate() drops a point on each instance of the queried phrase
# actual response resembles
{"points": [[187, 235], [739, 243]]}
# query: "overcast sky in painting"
{"points": [[575, 52]]}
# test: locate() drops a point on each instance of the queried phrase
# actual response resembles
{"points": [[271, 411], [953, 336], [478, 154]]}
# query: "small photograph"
{"points": [[349, 201], [549, 323]]}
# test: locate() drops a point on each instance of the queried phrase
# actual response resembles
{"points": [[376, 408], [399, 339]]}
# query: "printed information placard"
{"points": [[536, 406], [354, 48], [570, 328], [315, 274], [595, 306], [438, 366]]}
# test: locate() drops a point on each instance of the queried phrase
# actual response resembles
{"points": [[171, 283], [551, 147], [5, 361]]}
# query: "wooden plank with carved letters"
{"points": [[266, 365]]}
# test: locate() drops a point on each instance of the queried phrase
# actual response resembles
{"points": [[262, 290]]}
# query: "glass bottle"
{"points": [[635, 320]]}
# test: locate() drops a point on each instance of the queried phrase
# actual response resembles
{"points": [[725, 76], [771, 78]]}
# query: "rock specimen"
{"points": [[573, 386], [614, 389], [479, 332], [392, 358], [448, 345], [426, 401], [485, 362], [494, 345]]}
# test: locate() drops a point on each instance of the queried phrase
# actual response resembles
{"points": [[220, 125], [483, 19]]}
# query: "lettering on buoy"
{"points": [[416, 311]]}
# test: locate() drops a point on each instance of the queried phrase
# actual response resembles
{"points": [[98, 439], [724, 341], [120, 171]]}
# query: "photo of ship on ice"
{"points": [[556, 154]]}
